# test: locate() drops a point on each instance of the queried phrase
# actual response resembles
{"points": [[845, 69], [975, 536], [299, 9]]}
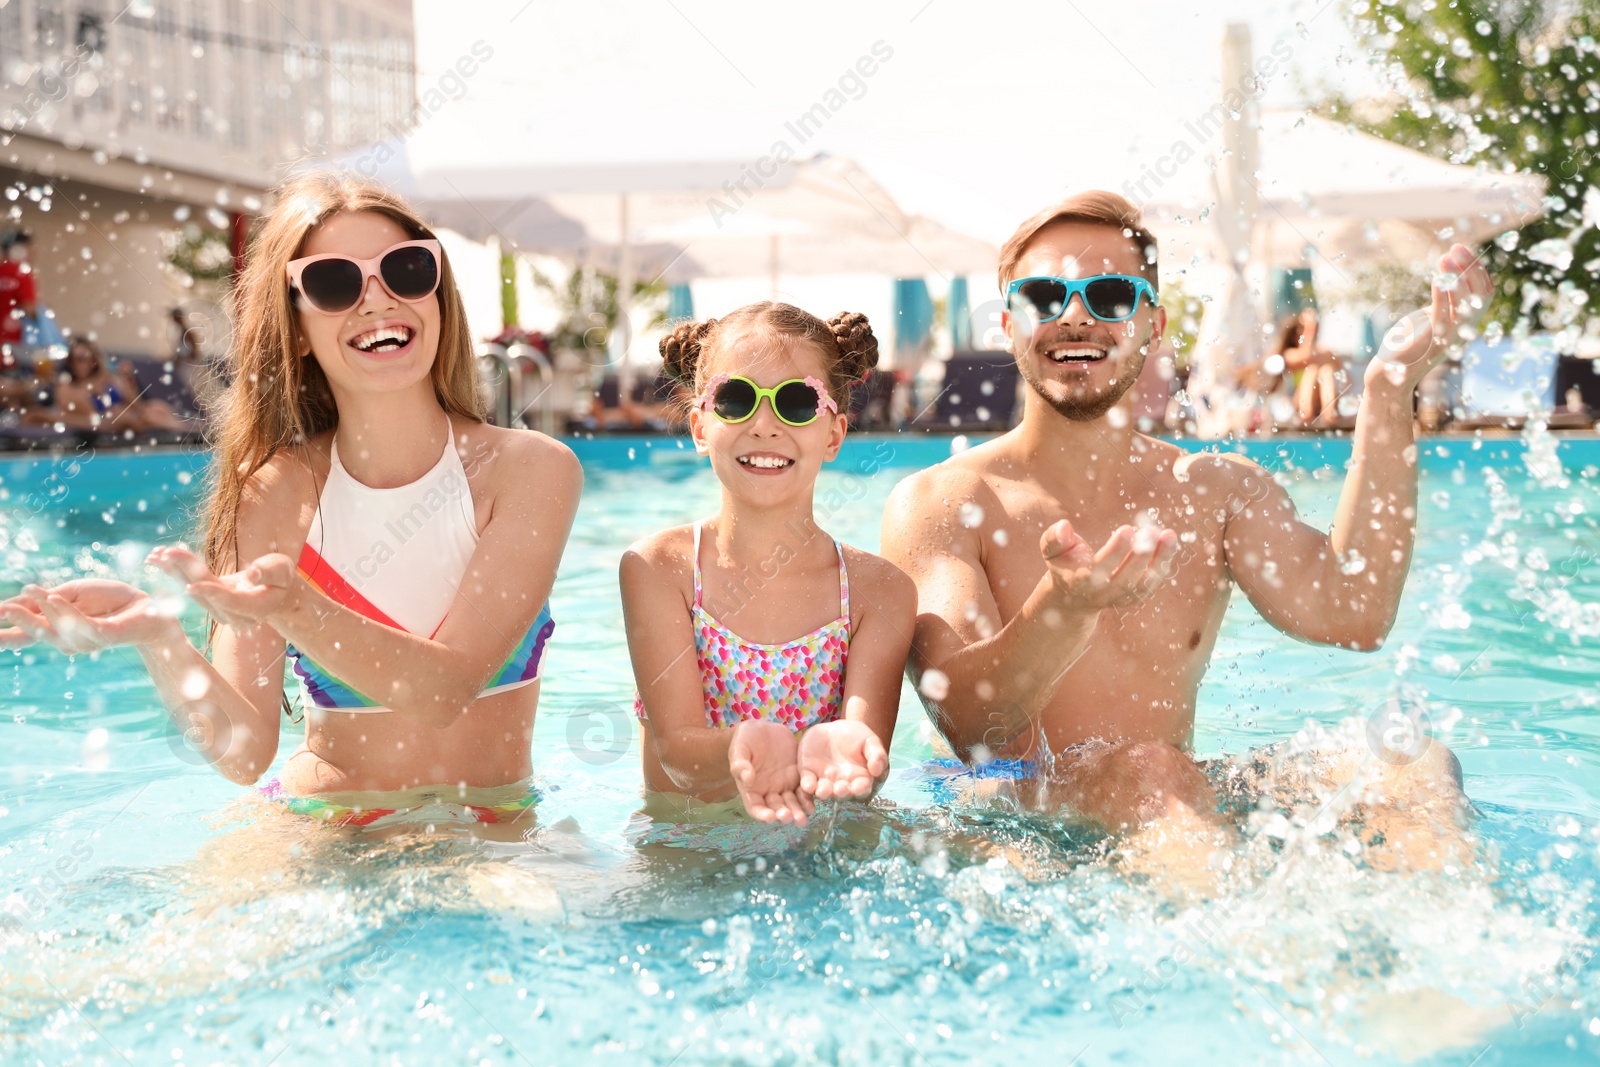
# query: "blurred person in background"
{"points": [[1319, 374], [90, 395], [19, 299]]}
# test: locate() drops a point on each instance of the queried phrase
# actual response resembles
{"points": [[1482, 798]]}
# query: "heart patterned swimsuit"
{"points": [[798, 683]]}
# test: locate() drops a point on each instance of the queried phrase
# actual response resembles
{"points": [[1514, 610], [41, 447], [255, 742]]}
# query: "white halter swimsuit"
{"points": [[397, 556]]}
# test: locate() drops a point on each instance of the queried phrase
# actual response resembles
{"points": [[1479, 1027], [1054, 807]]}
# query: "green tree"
{"points": [[199, 254], [587, 300], [1513, 86], [508, 289], [1184, 313]]}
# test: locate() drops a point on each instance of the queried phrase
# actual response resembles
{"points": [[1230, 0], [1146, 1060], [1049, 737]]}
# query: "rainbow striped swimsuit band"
{"points": [[430, 805]]}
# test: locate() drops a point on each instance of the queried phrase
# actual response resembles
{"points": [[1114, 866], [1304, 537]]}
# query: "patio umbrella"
{"points": [[913, 321], [1332, 193], [759, 244], [675, 221], [680, 303], [958, 310]]}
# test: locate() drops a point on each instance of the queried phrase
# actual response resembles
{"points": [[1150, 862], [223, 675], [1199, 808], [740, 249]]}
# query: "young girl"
{"points": [[368, 525], [768, 656]]}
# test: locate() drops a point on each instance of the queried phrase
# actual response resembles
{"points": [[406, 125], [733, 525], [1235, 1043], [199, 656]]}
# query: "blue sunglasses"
{"points": [[1109, 297]]}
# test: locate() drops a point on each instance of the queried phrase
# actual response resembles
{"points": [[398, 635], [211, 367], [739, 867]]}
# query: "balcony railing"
{"points": [[236, 87]]}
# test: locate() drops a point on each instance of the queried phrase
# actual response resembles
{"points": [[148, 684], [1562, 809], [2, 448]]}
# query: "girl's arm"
{"points": [[535, 483], [850, 757], [701, 760], [660, 633]]}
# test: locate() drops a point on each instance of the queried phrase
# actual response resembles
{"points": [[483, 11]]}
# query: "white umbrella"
{"points": [[679, 220], [908, 247], [1333, 192]]}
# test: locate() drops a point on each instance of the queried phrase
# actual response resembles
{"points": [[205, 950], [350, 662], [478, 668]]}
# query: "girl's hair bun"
{"points": [[858, 348], [681, 348]]}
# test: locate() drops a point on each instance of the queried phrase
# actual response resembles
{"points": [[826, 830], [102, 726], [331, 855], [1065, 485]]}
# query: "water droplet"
{"points": [[94, 752], [935, 685], [1554, 251], [971, 515]]}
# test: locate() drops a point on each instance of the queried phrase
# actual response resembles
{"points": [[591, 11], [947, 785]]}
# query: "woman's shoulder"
{"points": [[279, 499], [290, 472], [509, 455]]}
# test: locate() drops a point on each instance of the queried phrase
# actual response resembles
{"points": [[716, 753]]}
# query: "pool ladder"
{"points": [[516, 381]]}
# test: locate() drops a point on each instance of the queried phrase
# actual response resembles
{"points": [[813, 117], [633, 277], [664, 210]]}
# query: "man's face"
{"points": [[18, 253], [1078, 364]]}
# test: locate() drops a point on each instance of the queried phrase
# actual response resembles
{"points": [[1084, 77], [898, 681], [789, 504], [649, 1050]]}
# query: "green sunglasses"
{"points": [[797, 402]]}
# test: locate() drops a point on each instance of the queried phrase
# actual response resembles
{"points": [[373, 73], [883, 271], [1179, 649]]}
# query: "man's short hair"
{"points": [[15, 237], [1095, 207]]}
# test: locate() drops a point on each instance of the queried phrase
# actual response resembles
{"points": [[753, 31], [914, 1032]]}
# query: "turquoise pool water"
{"points": [[152, 912]]}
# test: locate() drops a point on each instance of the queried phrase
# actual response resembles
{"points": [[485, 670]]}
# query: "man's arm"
{"points": [[998, 675], [1343, 587]]}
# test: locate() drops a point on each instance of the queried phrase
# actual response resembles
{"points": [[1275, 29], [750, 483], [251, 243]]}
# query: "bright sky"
{"points": [[972, 119]]}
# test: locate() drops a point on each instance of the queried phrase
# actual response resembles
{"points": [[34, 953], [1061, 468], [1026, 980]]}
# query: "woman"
{"points": [[1319, 376], [366, 523], [1295, 367], [91, 396]]}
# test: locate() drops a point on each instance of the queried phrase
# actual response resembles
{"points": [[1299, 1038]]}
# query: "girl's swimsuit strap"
{"points": [[697, 562], [844, 583]]}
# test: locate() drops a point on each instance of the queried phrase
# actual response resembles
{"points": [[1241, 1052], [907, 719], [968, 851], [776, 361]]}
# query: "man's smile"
{"points": [[1076, 352]]}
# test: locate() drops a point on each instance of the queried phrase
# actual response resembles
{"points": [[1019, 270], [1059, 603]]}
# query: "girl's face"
{"points": [[343, 344], [763, 459]]}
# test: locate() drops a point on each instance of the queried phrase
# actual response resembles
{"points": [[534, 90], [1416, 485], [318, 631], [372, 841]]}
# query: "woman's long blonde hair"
{"points": [[277, 398]]}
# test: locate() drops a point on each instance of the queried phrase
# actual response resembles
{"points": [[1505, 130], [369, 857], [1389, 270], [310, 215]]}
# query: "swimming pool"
{"points": [[150, 912]]}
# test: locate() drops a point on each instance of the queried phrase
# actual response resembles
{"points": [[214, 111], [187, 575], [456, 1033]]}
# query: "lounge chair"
{"points": [[979, 393]]}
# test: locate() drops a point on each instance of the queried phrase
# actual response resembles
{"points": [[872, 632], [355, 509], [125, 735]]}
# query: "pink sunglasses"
{"points": [[333, 284]]}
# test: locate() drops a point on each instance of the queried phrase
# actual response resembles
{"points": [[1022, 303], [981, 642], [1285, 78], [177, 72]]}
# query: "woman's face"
{"points": [[763, 459], [81, 363], [349, 345]]}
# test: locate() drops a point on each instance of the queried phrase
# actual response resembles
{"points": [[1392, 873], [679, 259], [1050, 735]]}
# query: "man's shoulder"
{"points": [[1217, 467], [1235, 479], [951, 483]]}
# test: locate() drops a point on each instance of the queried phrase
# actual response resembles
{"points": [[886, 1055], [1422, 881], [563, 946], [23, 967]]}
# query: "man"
{"points": [[1030, 645]]}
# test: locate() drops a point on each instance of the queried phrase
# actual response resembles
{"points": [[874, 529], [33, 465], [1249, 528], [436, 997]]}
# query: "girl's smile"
{"points": [[766, 464]]}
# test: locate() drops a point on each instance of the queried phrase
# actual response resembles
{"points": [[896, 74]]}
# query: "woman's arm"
{"points": [[227, 709], [535, 484]]}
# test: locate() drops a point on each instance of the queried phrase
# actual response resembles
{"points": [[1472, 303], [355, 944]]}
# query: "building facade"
{"points": [[122, 125]]}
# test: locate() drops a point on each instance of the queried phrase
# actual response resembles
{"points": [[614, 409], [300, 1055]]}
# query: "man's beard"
{"points": [[1088, 408]]}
